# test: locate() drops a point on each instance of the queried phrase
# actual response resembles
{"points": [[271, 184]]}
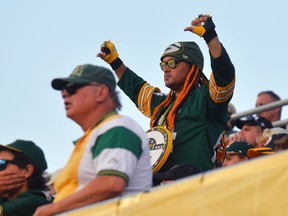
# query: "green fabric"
{"points": [[25, 204], [114, 173], [118, 137], [239, 147], [199, 121]]}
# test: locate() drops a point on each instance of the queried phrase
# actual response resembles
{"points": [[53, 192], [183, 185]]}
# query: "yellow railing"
{"points": [[256, 187]]}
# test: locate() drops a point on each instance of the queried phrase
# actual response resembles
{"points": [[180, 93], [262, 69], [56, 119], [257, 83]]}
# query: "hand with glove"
{"points": [[110, 55], [204, 27]]}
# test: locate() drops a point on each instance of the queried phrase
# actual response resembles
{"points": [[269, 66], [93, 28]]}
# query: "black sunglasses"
{"points": [[4, 162], [72, 88]]}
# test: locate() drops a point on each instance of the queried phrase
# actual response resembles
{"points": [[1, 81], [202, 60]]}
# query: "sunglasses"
{"points": [[171, 64], [4, 162], [72, 88], [250, 118]]}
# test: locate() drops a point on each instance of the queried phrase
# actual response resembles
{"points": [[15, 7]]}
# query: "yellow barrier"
{"points": [[256, 187]]}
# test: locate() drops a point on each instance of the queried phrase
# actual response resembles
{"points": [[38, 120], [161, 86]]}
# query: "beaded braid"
{"points": [[157, 109], [220, 149], [192, 77]]}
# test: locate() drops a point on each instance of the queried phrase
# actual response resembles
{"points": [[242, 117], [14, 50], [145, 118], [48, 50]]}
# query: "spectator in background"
{"points": [[112, 157], [266, 97], [26, 159], [271, 141], [266, 144], [252, 127], [269, 136], [236, 152]]}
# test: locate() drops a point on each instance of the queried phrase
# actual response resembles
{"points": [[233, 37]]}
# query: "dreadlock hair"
{"points": [[194, 78]]}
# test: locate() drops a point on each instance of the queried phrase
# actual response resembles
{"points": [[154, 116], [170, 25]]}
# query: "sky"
{"points": [[43, 40]]}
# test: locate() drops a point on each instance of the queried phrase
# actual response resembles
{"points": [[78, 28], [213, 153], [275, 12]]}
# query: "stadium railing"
{"points": [[281, 103]]}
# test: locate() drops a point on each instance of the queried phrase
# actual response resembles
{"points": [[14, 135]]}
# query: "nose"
{"points": [[166, 69], [64, 93]]}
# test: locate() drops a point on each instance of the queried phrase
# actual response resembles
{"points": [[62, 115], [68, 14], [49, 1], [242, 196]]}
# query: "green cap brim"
{"points": [[60, 83]]}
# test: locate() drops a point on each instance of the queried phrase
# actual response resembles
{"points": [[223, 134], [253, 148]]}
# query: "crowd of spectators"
{"points": [[112, 157]]}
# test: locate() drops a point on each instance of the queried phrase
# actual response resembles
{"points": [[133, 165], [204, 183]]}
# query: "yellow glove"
{"points": [[206, 30], [109, 49], [199, 30]]}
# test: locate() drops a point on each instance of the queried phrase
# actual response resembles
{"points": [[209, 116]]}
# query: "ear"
{"points": [[278, 109], [102, 93], [28, 171]]}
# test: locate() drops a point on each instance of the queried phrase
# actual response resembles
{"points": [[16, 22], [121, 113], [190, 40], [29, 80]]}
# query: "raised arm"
{"points": [[222, 78]]}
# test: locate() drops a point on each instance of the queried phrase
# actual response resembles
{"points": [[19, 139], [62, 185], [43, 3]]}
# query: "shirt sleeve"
{"points": [[222, 79], [116, 153]]}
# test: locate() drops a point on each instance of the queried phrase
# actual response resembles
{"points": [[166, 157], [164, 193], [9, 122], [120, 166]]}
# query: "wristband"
{"points": [[116, 63], [210, 32], [208, 36]]}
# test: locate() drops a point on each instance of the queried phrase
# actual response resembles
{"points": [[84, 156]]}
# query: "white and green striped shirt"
{"points": [[116, 146]]}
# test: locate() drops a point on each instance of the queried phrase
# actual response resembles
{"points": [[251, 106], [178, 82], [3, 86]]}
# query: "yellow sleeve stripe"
{"points": [[145, 97], [220, 94]]}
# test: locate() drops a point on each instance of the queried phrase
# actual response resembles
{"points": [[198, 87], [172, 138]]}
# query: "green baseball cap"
{"points": [[87, 73], [187, 51], [30, 150], [238, 147]]}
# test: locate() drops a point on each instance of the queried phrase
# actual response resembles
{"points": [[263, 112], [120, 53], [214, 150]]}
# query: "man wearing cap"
{"points": [[27, 159], [236, 152], [252, 127], [112, 157], [195, 109]]}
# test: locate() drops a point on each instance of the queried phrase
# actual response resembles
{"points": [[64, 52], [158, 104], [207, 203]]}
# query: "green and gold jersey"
{"points": [[201, 118]]}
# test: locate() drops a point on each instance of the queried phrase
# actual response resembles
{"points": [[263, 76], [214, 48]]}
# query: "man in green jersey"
{"points": [[195, 109]]}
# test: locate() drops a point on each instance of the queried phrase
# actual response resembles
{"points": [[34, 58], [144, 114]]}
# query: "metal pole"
{"points": [[259, 109]]}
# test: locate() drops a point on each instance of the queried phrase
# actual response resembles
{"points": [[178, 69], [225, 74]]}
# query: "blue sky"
{"points": [[42, 40]]}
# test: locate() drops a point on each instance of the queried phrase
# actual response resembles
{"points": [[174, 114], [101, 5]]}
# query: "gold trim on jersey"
{"points": [[144, 99], [220, 94]]}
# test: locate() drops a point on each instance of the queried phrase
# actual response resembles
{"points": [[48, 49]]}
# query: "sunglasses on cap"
{"points": [[250, 118], [171, 64], [4, 163], [72, 88]]}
